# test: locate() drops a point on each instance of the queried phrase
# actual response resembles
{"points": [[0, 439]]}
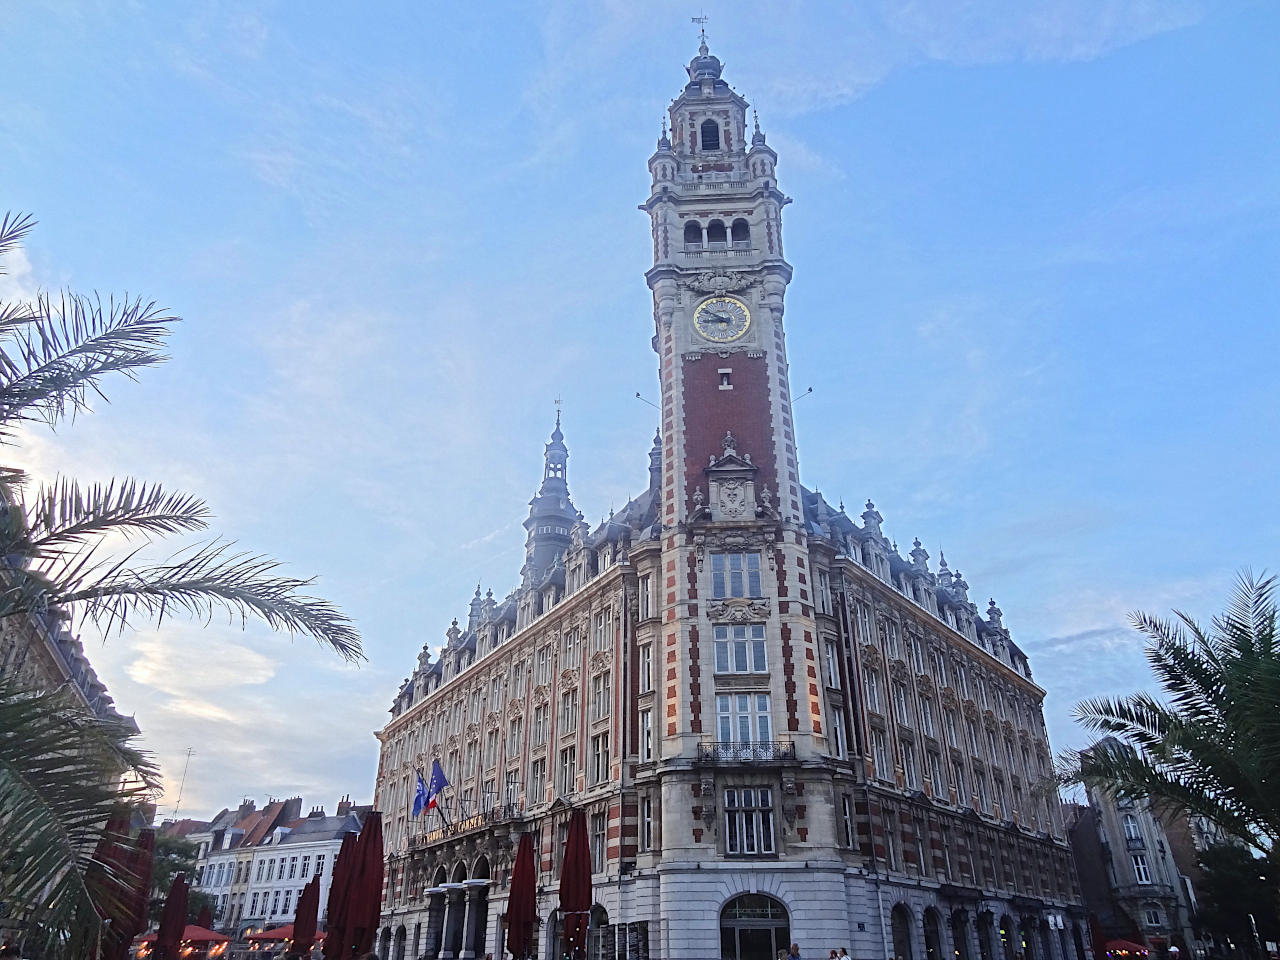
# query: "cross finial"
{"points": [[557, 409]]}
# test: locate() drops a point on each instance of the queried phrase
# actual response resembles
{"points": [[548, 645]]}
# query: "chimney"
{"points": [[344, 805], [247, 807], [316, 812], [292, 810]]}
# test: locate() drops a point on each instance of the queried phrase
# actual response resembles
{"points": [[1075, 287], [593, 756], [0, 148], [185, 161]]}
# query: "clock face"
{"points": [[722, 319]]}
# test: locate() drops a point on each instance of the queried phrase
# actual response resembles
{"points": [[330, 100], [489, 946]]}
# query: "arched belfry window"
{"points": [[754, 926], [740, 232], [716, 235], [693, 234], [710, 135]]}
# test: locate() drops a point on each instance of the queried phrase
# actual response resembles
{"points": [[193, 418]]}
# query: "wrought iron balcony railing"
{"points": [[748, 751], [1134, 843]]}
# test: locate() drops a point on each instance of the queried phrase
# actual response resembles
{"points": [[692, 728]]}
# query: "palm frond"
{"points": [[13, 228], [56, 357], [61, 767], [201, 582], [66, 515]]}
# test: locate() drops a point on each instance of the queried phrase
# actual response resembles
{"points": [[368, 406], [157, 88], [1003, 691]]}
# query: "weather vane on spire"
{"points": [[701, 21], [557, 409]]}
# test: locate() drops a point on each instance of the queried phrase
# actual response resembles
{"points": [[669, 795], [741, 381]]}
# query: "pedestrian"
{"points": [[844, 951], [833, 955], [795, 952]]}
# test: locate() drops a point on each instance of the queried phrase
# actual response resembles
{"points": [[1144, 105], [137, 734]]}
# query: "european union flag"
{"points": [[435, 786], [419, 797]]}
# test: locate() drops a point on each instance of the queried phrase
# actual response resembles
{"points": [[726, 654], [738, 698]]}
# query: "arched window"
{"points": [[740, 233], [710, 135], [716, 235], [754, 925], [932, 935], [693, 234], [900, 922], [597, 934], [1131, 831]]}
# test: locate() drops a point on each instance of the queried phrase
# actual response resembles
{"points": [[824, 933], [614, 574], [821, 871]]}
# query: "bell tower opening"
{"points": [[710, 135]]}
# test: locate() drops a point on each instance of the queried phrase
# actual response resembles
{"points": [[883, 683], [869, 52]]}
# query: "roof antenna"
{"points": [[183, 782]]}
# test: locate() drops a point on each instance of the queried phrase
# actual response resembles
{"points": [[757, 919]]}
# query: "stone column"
{"points": [[453, 907], [471, 918], [435, 924]]}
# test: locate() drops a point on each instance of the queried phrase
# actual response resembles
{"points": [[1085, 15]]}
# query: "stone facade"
{"points": [[780, 728]]}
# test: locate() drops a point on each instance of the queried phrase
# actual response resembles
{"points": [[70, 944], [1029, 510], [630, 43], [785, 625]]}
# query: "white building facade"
{"points": [[781, 729]]}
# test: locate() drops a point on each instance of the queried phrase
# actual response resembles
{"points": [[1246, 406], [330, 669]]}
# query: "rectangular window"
{"points": [[517, 678], [889, 636], [991, 746], [320, 864], [951, 729], [275, 903], [646, 667], [909, 766], [491, 748], [744, 718], [601, 696], [864, 622], [253, 906], [880, 754], [514, 729], [735, 575], [258, 874], [891, 839], [957, 781], [971, 731], [873, 691], [1140, 869], [645, 597], [846, 818], [901, 712], [598, 841], [604, 630], [280, 873], [837, 734], [568, 769], [537, 780], [568, 712], [646, 823], [288, 899], [832, 665], [306, 866], [748, 813], [740, 649], [984, 798], [935, 776], [600, 758], [822, 589], [569, 648], [540, 724], [542, 666], [926, 716], [646, 735]]}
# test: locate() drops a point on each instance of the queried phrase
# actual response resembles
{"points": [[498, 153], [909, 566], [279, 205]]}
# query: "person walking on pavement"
{"points": [[795, 952]]}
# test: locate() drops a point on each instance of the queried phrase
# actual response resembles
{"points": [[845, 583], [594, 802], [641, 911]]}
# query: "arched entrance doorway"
{"points": [[900, 924], [960, 934], [384, 944], [932, 935], [1077, 940], [598, 934], [1008, 937], [754, 926], [397, 945], [986, 921]]}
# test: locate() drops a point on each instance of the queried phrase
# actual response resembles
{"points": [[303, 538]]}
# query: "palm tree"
{"points": [[1211, 746], [60, 554]]}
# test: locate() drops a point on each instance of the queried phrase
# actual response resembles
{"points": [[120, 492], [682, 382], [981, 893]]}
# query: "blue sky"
{"points": [[1036, 295]]}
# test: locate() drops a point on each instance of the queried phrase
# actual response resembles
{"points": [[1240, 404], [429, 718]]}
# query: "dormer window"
{"points": [[710, 135]]}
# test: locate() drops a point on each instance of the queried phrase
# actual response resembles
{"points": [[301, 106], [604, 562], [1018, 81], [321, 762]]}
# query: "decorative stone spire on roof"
{"points": [[960, 587], [453, 634], [995, 615], [473, 616], [944, 572], [757, 138], [871, 519], [704, 66], [919, 556], [655, 462], [664, 141]]}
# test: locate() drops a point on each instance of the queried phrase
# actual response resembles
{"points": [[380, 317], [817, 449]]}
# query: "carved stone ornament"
{"points": [[870, 656], [600, 661], [970, 709], [899, 670], [540, 695], [569, 679], [738, 610], [454, 741], [515, 707], [949, 698], [1007, 727], [733, 499], [924, 683], [473, 732], [493, 721], [720, 281]]}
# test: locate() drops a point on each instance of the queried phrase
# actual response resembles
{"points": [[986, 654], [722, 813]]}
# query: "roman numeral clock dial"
{"points": [[722, 319]]}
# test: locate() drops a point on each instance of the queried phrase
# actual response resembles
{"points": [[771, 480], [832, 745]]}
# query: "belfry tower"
{"points": [[737, 649]]}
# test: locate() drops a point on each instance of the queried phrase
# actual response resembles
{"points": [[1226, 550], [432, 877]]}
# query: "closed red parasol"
{"points": [[575, 887], [339, 887], [108, 881], [174, 919], [138, 865], [304, 921], [205, 918], [364, 905], [522, 904]]}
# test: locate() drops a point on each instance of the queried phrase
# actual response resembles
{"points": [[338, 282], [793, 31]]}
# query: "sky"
{"points": [[1036, 295]]}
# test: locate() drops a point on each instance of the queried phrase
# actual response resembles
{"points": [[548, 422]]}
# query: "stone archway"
{"points": [[900, 926], [398, 943], [932, 935], [960, 934], [754, 926], [384, 944], [1008, 937], [599, 934], [986, 928]]}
